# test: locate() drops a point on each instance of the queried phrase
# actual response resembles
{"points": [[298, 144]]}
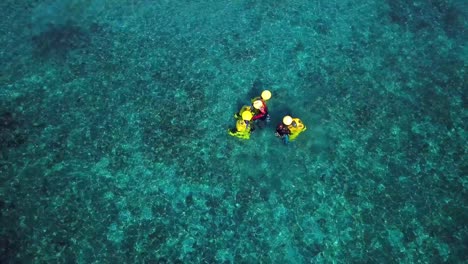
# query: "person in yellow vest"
{"points": [[289, 129], [243, 123]]}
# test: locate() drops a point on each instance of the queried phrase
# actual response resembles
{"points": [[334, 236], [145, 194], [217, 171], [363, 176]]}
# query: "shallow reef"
{"points": [[114, 144]]}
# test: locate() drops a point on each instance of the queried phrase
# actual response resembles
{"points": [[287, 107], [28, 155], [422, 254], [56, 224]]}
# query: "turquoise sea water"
{"points": [[114, 144]]}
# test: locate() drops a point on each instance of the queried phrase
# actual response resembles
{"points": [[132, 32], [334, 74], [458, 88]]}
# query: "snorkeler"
{"points": [[289, 129]]}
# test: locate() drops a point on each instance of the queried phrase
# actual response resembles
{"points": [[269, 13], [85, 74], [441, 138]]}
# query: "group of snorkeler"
{"points": [[256, 115]]}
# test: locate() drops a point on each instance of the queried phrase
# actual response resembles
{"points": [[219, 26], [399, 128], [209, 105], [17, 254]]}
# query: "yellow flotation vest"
{"points": [[241, 126], [242, 129], [295, 131]]}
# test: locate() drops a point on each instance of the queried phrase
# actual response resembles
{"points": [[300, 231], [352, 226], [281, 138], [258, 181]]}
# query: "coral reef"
{"points": [[113, 135]]}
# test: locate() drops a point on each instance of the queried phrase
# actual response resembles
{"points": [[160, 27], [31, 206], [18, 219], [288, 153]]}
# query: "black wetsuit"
{"points": [[282, 130]]}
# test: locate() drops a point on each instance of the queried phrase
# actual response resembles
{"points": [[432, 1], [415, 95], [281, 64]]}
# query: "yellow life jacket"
{"points": [[295, 131], [240, 134], [242, 130], [242, 126]]}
